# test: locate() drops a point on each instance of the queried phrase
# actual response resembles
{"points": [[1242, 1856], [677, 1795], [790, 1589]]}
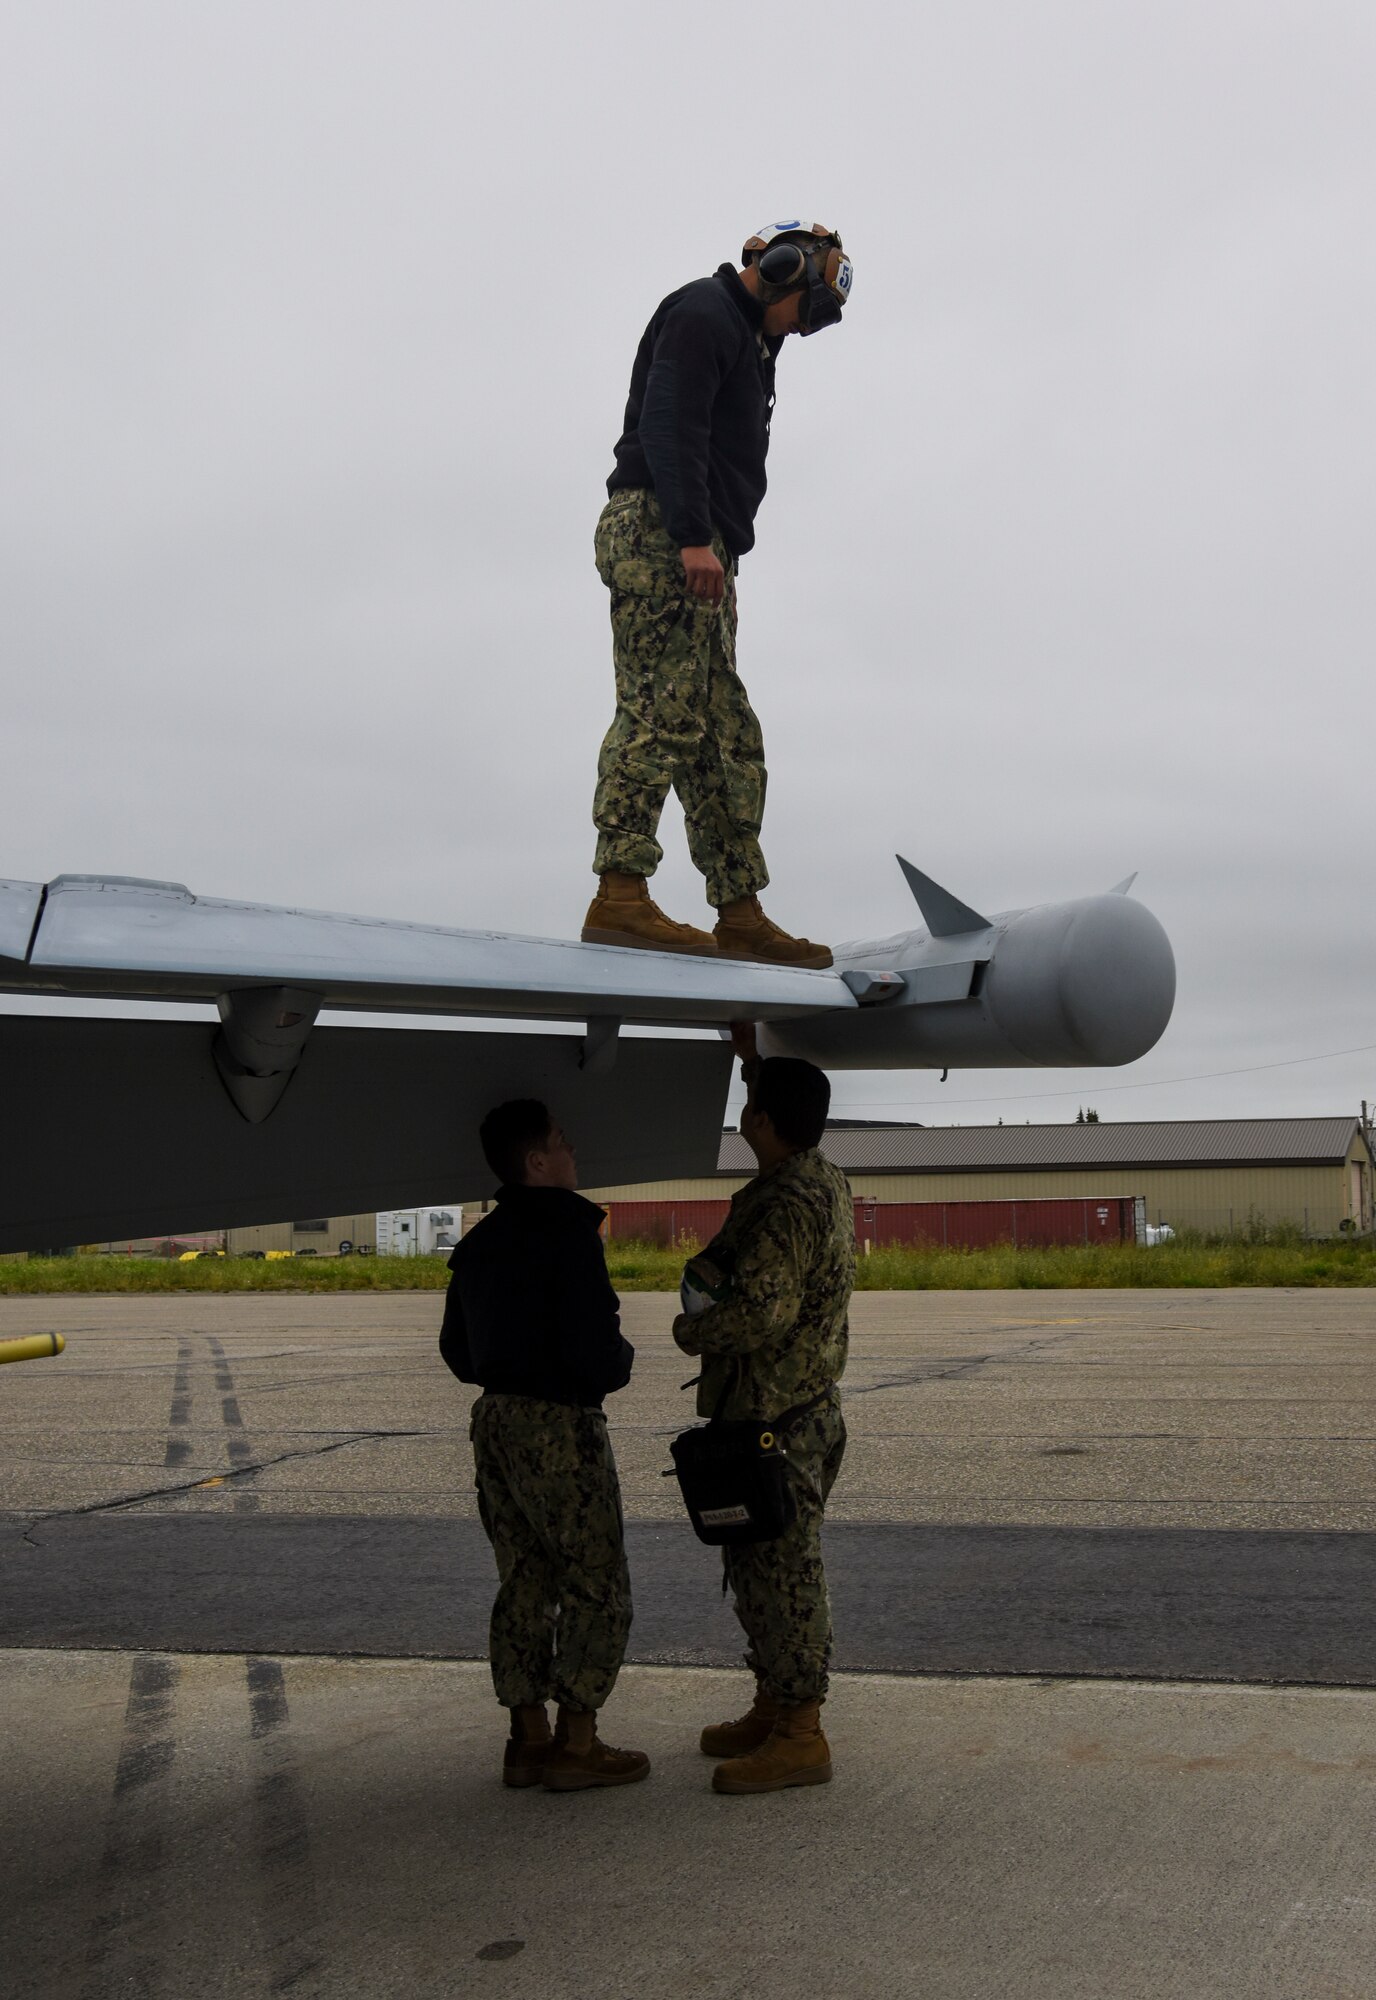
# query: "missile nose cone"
{"points": [[1091, 982]]}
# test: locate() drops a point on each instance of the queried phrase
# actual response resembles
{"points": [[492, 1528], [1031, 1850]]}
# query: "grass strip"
{"points": [[36, 1275], [1216, 1263]]}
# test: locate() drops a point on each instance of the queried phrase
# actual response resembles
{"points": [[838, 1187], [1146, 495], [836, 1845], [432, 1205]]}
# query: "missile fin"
{"points": [[945, 915], [1121, 888]]}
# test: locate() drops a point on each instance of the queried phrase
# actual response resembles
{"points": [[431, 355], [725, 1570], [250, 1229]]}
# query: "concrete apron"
{"points": [[220, 1825]]}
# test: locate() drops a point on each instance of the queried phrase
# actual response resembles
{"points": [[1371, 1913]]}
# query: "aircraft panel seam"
{"points": [[37, 920]]}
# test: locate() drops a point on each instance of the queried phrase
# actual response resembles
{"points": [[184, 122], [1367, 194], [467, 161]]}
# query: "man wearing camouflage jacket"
{"points": [[782, 1269]]}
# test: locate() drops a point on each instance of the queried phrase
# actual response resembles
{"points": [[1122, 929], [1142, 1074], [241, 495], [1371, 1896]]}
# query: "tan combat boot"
{"points": [[744, 931], [528, 1748], [581, 1761], [796, 1753], [622, 913], [748, 1732]]}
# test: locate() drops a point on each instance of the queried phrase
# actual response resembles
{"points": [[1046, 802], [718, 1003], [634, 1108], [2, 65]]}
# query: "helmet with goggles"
{"points": [[803, 257]]}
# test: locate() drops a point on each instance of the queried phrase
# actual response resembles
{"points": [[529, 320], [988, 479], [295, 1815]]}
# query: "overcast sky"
{"points": [[317, 324]]}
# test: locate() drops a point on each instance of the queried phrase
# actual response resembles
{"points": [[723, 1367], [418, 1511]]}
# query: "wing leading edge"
{"points": [[112, 937]]}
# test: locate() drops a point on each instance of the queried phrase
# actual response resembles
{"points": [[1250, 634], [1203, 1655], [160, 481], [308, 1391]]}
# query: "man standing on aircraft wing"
{"points": [[688, 480], [773, 1343], [532, 1316]]}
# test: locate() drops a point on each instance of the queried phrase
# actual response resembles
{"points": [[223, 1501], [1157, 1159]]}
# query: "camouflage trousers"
{"points": [[682, 714], [551, 1505], [780, 1587]]}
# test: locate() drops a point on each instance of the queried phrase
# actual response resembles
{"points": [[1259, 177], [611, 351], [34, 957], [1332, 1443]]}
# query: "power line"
{"points": [[1098, 1089]]}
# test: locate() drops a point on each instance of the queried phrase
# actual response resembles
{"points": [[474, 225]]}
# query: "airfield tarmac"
{"points": [[1105, 1722]]}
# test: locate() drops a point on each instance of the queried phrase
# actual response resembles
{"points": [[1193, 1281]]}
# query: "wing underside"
{"points": [[117, 1128]]}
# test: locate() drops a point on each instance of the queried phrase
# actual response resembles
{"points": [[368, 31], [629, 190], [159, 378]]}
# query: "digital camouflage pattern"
{"points": [[682, 714], [550, 1502], [779, 1337], [780, 1587]]}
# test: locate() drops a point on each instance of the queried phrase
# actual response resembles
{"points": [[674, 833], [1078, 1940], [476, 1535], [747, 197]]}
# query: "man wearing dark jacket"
{"points": [[688, 479], [532, 1317]]}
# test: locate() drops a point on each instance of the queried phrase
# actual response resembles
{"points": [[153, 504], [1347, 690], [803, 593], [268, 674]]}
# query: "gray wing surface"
{"points": [[139, 1128], [20, 904], [130, 1128], [115, 938]]}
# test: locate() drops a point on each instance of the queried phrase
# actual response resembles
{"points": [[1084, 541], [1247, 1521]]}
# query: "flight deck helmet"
{"points": [[803, 257]]}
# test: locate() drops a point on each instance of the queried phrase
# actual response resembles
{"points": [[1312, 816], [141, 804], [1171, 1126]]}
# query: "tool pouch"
{"points": [[734, 1477]]}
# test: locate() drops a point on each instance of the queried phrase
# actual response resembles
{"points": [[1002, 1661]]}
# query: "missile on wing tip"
{"points": [[1085, 984], [33, 1347]]}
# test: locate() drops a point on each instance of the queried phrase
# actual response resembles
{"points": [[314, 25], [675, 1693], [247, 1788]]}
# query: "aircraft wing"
{"points": [[118, 1128], [134, 1128], [112, 937]]}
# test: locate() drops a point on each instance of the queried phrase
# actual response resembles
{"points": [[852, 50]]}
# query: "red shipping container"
{"points": [[975, 1225], [953, 1225], [666, 1222]]}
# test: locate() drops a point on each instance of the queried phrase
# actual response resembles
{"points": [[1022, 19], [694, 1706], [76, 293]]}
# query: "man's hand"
{"points": [[704, 575], [684, 1330], [743, 1040]]}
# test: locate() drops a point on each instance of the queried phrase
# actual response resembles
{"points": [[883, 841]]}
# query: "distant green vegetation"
{"points": [[1114, 1266], [222, 1274], [1275, 1257]]}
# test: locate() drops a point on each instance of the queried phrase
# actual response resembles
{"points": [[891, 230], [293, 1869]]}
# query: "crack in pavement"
{"points": [[194, 1485], [329, 1380], [922, 1373], [916, 1377]]}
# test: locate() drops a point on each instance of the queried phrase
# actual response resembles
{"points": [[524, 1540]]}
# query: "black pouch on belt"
{"points": [[734, 1476]]}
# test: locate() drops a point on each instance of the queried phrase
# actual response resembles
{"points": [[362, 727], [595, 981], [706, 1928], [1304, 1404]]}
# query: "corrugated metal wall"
{"points": [[1224, 1200], [715, 1187], [665, 1221], [1217, 1199], [973, 1225], [360, 1230], [956, 1225]]}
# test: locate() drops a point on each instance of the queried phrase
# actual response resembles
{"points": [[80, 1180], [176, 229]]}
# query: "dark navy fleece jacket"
{"points": [[530, 1309], [697, 419]]}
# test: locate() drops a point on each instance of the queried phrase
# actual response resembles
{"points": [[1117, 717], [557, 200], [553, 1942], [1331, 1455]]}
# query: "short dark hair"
{"points": [[795, 1096], [511, 1131]]}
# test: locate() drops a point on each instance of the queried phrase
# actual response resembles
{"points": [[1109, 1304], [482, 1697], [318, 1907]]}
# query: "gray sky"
{"points": [[318, 319]]}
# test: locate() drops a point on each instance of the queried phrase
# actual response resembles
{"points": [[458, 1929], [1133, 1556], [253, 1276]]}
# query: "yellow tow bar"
{"points": [[35, 1348]]}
